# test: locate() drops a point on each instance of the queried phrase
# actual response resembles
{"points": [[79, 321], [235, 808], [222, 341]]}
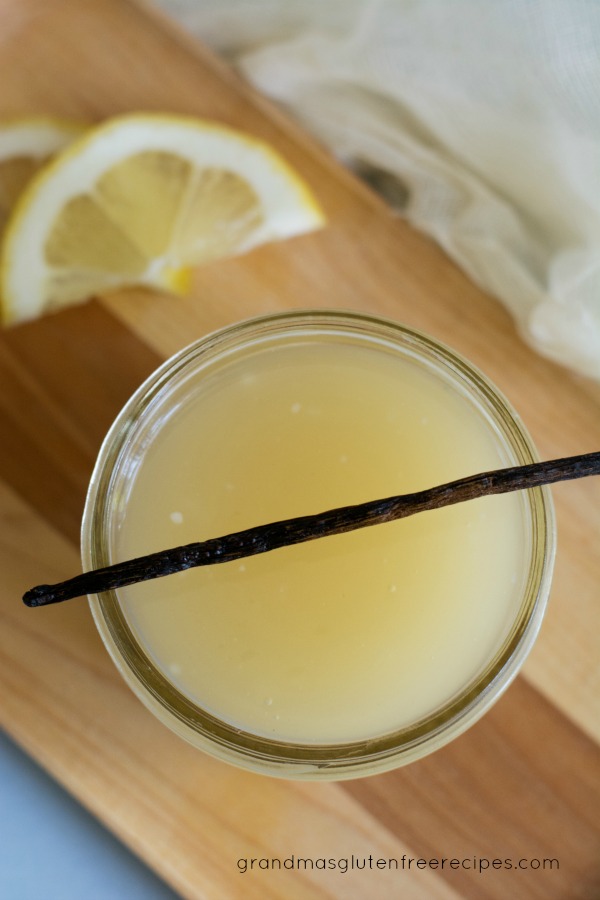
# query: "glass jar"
{"points": [[142, 421]]}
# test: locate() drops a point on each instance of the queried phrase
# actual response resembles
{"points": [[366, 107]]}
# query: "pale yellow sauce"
{"points": [[346, 637]]}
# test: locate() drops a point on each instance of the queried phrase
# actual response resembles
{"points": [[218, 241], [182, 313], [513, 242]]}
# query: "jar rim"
{"points": [[313, 760]]}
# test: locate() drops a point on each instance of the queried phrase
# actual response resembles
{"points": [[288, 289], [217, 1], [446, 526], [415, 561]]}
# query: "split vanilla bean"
{"points": [[274, 535]]}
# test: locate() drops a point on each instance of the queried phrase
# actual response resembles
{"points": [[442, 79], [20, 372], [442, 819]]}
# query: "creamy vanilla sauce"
{"points": [[346, 637]]}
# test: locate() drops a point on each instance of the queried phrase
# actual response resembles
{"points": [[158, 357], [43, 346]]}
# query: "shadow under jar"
{"points": [[351, 654]]}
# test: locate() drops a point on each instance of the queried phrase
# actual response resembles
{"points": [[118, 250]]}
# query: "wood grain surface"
{"points": [[521, 784]]}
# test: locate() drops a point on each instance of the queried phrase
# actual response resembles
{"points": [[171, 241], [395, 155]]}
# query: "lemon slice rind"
{"points": [[26, 144], [36, 136], [288, 207]]}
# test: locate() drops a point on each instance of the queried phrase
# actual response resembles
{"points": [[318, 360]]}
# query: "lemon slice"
{"points": [[141, 200], [25, 145]]}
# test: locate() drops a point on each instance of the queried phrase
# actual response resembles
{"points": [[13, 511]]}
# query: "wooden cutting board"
{"points": [[523, 783]]}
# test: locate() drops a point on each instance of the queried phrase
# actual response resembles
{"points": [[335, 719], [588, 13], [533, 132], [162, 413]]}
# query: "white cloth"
{"points": [[481, 118]]}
